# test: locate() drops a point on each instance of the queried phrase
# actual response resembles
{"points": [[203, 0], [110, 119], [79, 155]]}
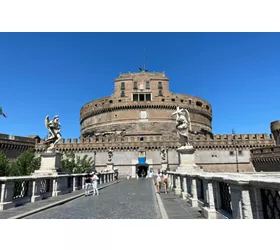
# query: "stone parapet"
{"points": [[231, 195]]}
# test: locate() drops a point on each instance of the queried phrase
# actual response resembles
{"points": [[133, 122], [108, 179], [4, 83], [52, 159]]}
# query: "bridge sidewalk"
{"points": [[34, 207], [177, 208]]}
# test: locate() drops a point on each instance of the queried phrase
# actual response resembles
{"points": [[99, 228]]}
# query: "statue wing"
{"points": [[188, 118], [47, 120]]}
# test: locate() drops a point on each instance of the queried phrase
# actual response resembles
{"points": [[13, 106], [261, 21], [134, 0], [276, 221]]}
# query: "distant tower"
{"points": [[275, 130]]}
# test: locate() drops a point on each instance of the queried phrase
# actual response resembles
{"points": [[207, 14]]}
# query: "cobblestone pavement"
{"points": [[177, 208], [130, 199]]}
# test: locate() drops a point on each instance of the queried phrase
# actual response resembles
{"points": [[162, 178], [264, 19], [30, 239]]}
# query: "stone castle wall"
{"points": [[12, 146], [121, 112]]}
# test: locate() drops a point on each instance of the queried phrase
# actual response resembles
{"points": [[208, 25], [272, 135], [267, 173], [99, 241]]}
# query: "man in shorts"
{"points": [[88, 183]]}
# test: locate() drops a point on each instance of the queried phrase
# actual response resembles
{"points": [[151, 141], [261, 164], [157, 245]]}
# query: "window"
{"points": [[207, 107], [160, 92], [122, 93], [173, 100], [110, 101], [199, 104], [231, 153], [135, 97], [159, 85], [162, 100], [141, 97], [148, 86], [141, 138], [135, 85], [190, 101], [240, 152], [122, 86], [182, 100]]}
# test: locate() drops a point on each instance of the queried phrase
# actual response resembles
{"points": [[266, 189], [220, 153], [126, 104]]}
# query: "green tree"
{"points": [[4, 165], [25, 164], [76, 164]]}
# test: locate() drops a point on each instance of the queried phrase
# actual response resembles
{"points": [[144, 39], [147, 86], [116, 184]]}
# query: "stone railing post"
{"points": [[100, 179], [170, 180], [240, 200], [75, 183], [7, 193], [178, 189], [184, 194], [35, 190], [208, 210], [193, 199]]}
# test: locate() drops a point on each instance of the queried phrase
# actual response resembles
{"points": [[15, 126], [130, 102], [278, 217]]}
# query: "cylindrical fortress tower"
{"points": [[275, 130], [142, 105]]}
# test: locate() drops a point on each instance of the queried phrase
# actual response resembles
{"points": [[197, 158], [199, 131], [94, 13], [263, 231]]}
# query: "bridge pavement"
{"points": [[129, 199]]}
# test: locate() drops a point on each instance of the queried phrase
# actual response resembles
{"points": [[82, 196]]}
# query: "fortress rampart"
{"points": [[103, 142], [143, 102], [12, 146]]}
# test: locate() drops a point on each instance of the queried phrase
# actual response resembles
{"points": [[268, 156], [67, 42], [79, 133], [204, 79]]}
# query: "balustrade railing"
{"points": [[232, 195], [16, 191]]}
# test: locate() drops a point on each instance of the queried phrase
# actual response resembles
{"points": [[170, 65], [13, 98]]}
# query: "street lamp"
{"points": [[236, 149]]}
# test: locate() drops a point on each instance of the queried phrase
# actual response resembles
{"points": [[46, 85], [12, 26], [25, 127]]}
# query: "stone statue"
{"points": [[163, 154], [54, 135], [110, 154], [183, 126]]}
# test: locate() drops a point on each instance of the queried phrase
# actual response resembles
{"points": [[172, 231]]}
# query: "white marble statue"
{"points": [[54, 135], [110, 154], [163, 154], [183, 126]]}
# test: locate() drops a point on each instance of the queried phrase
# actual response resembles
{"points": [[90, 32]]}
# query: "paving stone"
{"points": [[130, 199], [177, 208]]}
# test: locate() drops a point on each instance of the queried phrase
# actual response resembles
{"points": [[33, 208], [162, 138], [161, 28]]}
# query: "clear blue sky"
{"points": [[56, 73]]}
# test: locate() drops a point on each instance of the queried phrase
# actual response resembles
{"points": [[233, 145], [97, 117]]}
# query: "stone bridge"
{"points": [[191, 196]]}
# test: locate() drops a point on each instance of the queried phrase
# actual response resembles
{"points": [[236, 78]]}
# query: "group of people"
{"points": [[91, 181], [161, 178]]}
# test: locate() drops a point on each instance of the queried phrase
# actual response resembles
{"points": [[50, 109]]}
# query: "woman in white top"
{"points": [[94, 184], [159, 180]]}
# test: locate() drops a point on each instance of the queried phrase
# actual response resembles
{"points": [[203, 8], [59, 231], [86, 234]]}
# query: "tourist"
{"points": [[142, 174], [88, 183], [116, 176], [94, 184], [165, 181], [159, 180]]}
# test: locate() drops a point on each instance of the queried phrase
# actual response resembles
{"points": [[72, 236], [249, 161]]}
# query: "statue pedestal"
{"points": [[110, 166], [187, 160], [50, 164]]}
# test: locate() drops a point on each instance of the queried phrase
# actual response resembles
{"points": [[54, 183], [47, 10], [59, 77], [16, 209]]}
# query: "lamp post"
{"points": [[236, 149]]}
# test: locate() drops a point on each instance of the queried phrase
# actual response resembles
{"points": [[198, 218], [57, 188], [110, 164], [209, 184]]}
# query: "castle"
{"points": [[137, 117]]}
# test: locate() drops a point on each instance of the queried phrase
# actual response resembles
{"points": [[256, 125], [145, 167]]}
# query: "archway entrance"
{"points": [[142, 168]]}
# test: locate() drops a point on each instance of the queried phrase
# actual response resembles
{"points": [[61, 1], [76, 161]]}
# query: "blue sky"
{"points": [[56, 73]]}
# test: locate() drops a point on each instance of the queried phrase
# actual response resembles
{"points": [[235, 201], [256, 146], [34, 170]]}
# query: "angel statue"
{"points": [[183, 126], [163, 154], [54, 135], [110, 154]]}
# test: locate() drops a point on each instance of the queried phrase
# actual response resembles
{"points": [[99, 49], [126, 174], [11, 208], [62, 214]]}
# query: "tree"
{"points": [[4, 165], [25, 164], [76, 164]]}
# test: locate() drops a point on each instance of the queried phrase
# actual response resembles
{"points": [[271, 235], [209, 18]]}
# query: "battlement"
{"points": [[29, 139], [201, 142]]}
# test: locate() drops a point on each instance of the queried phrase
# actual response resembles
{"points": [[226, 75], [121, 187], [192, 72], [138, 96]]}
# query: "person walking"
{"points": [[159, 180], [94, 184], [165, 181], [88, 183]]}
